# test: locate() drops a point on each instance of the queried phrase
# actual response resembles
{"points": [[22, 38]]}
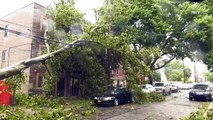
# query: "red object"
{"points": [[5, 96]]}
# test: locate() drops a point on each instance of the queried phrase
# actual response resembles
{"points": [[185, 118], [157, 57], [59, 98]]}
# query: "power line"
{"points": [[30, 36], [14, 23]]}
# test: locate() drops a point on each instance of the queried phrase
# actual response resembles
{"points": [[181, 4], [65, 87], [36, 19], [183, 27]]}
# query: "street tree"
{"points": [[208, 76], [207, 24], [166, 28]]}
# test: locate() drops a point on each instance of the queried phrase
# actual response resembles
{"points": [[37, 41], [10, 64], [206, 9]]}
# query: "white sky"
{"points": [[85, 6]]}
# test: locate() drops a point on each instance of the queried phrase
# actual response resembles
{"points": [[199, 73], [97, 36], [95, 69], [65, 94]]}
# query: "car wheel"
{"points": [[170, 92], [190, 98], [116, 102], [164, 93]]}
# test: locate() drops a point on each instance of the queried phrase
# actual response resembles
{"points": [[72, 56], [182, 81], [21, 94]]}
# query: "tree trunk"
{"points": [[24, 64], [151, 79]]}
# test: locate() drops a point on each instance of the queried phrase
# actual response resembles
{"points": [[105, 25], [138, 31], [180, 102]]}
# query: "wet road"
{"points": [[175, 107]]}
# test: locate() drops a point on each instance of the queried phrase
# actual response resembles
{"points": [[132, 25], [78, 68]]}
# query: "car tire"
{"points": [[116, 102], [190, 98], [170, 92], [164, 93]]}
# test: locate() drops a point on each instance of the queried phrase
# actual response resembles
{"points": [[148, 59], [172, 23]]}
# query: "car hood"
{"points": [[158, 87], [198, 90]]}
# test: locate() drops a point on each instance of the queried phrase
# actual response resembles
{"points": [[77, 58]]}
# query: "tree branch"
{"points": [[24, 64], [163, 47], [163, 64]]}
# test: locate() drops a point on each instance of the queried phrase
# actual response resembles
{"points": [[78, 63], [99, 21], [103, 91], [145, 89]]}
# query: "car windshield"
{"points": [[112, 91], [158, 84], [200, 87]]}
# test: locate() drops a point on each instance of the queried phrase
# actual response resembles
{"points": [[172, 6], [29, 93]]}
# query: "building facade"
{"points": [[22, 40]]}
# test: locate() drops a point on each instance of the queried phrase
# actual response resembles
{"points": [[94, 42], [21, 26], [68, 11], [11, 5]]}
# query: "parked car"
{"points": [[175, 88], [161, 87], [114, 96], [147, 88], [201, 91], [186, 86]]}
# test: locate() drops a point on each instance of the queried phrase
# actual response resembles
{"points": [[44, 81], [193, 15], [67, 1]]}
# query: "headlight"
{"points": [[96, 98], [109, 98], [206, 93]]}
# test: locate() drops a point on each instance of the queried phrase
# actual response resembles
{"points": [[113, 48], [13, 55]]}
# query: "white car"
{"points": [[175, 88], [163, 88], [186, 86], [147, 88]]}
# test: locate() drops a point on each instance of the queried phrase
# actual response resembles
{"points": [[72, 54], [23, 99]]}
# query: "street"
{"points": [[175, 107]]}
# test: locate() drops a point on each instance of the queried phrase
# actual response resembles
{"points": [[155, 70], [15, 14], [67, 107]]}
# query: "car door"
{"points": [[124, 95], [120, 95], [152, 89]]}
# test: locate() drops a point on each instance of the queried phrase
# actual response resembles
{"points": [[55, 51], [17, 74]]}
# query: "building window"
{"points": [[43, 23], [6, 31], [40, 81], [3, 55]]}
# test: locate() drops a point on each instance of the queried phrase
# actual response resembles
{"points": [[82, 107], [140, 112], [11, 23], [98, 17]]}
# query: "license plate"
{"points": [[99, 100], [199, 93]]}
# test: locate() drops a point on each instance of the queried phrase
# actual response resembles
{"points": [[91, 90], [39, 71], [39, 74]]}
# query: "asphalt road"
{"points": [[175, 107]]}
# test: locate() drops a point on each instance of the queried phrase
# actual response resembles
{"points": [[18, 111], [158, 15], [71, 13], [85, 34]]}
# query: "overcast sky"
{"points": [[85, 6]]}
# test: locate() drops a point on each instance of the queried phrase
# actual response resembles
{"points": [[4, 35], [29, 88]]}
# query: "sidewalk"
{"points": [[211, 106]]}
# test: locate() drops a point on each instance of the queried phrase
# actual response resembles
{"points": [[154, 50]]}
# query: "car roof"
{"points": [[201, 84]]}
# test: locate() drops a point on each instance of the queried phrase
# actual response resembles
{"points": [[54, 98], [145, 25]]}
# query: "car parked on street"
{"points": [[186, 86], [201, 91], [147, 88], [114, 97], [162, 87], [175, 88]]}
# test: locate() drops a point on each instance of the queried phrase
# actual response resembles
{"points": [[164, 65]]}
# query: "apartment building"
{"points": [[22, 40]]}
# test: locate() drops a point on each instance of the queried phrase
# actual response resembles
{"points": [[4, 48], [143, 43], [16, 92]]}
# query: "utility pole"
{"points": [[184, 73], [195, 73], [109, 85]]}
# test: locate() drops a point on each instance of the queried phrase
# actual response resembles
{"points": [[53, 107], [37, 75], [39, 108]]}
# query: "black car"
{"points": [[201, 91], [114, 96]]}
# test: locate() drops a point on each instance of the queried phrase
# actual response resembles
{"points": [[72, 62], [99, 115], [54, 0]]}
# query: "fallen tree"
{"points": [[24, 64]]}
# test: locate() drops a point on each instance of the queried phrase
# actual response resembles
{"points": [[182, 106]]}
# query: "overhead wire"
{"points": [[30, 36]]}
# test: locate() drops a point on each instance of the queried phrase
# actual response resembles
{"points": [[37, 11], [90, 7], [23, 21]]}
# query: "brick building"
{"points": [[26, 22], [118, 77]]}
